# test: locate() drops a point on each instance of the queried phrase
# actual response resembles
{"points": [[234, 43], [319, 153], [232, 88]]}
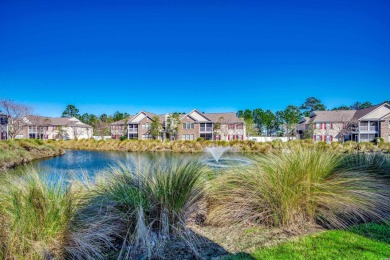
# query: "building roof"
{"points": [[304, 120], [55, 121], [362, 112], [344, 115], [121, 122], [332, 116], [229, 117]]}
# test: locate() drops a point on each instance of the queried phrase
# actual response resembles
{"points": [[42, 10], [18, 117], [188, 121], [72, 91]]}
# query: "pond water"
{"points": [[76, 163]]}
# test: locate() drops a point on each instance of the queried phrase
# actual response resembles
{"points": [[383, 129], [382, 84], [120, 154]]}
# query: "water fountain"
{"points": [[218, 162], [216, 151]]}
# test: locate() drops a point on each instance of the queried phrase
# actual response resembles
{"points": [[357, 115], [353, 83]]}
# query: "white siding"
{"points": [[197, 116], [378, 113], [138, 118]]}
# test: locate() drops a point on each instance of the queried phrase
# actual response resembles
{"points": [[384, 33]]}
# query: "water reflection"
{"points": [[77, 163]]}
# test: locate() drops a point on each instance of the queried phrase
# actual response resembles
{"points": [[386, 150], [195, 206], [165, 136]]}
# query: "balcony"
{"points": [[367, 129], [206, 129]]}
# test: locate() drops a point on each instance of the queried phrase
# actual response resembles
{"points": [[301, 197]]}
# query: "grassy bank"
{"points": [[307, 201], [15, 152], [198, 146], [370, 241]]}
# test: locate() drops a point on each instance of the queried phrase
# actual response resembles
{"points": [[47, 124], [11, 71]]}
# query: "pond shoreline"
{"points": [[20, 152], [199, 146]]}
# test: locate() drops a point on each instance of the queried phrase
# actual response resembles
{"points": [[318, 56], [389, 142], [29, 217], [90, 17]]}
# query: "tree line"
{"points": [[265, 122]]}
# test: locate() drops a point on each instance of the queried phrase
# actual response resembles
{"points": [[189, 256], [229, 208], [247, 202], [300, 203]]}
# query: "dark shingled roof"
{"points": [[362, 112]]}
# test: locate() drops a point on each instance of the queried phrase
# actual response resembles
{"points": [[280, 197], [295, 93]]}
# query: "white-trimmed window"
{"points": [[188, 125], [146, 137], [146, 126], [188, 137], [318, 126]]}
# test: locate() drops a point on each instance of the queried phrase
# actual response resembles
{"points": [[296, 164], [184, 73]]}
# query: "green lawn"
{"points": [[371, 241]]}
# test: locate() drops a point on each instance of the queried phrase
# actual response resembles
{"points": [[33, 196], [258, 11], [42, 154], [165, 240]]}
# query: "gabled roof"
{"points": [[196, 115], [304, 120], [53, 121], [366, 111], [136, 119], [121, 122], [332, 116], [229, 117]]}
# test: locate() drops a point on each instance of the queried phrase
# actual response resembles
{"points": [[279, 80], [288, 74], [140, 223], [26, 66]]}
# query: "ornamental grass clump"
{"points": [[298, 186], [152, 200], [376, 163], [42, 219], [34, 216]]}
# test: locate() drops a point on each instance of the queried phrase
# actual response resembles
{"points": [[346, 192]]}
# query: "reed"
{"points": [[296, 187], [151, 201]]}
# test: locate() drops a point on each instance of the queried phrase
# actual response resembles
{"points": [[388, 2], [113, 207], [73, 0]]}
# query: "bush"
{"points": [[123, 137], [42, 218], [200, 139], [298, 186], [152, 200]]}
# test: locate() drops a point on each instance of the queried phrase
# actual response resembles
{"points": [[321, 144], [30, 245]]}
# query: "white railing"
{"points": [[206, 129], [368, 128], [133, 130]]}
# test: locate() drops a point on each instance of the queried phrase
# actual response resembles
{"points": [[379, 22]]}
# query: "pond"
{"points": [[77, 162]]}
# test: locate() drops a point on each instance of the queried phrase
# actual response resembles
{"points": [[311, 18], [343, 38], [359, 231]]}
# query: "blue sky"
{"points": [[166, 56]]}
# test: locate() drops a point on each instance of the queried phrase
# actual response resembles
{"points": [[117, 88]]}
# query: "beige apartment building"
{"points": [[39, 127], [191, 126], [362, 125]]}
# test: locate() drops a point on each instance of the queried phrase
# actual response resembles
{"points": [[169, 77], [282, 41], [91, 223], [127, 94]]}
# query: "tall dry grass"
{"points": [[298, 186], [42, 219], [151, 202]]}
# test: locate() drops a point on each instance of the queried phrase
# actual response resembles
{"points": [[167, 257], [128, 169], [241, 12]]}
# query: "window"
{"points": [[240, 126], [188, 125], [188, 137], [146, 137], [207, 136], [318, 126], [230, 126], [328, 126], [206, 127], [146, 126], [133, 128], [133, 136], [317, 138]]}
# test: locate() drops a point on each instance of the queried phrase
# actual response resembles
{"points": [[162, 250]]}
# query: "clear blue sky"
{"points": [[178, 55]]}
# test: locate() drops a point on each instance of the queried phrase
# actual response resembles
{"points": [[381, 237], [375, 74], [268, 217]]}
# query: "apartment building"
{"points": [[362, 125], [119, 128], [39, 127], [3, 126], [190, 126]]}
